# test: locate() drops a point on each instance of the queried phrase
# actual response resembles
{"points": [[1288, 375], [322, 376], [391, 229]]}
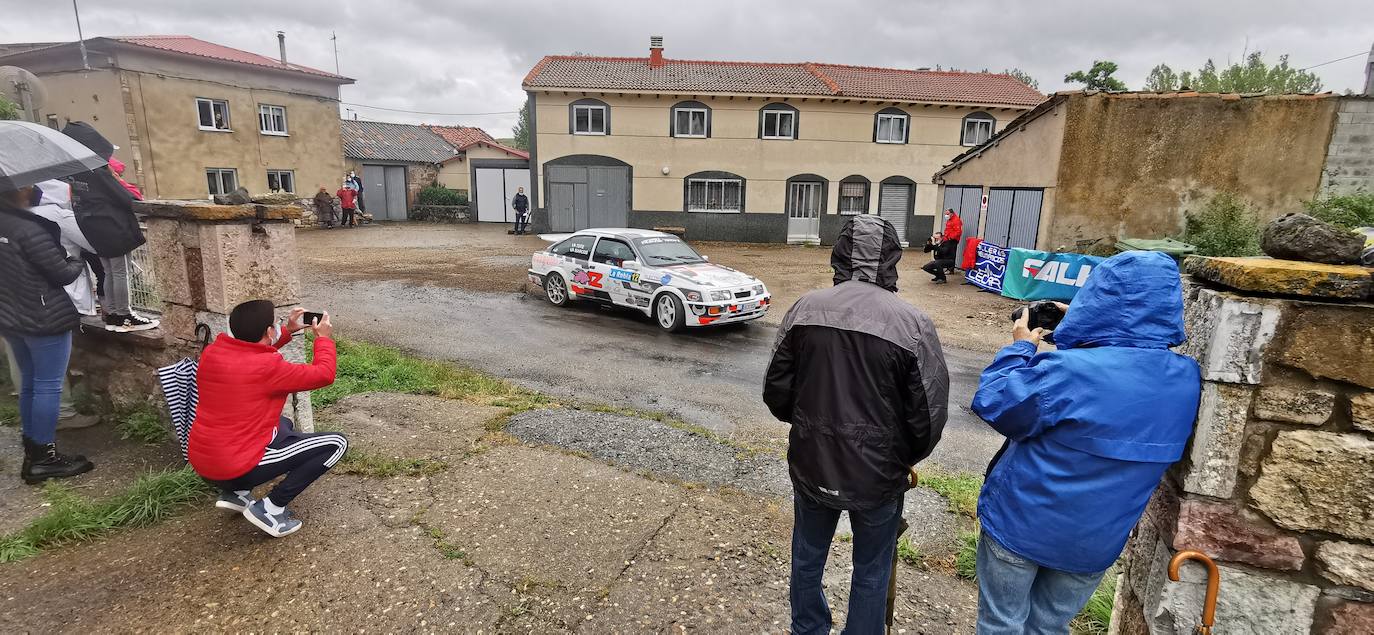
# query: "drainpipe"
{"points": [[281, 44]]}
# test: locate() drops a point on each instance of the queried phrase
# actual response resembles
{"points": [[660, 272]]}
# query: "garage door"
{"points": [[494, 191], [894, 204], [384, 191], [965, 201], [1013, 216], [588, 196]]}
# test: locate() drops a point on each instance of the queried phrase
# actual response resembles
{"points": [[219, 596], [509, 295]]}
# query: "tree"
{"points": [[521, 131], [1099, 77], [1024, 77], [1252, 76], [8, 109]]}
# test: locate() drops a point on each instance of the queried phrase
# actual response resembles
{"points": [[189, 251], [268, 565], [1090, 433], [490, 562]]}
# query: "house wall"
{"points": [[835, 140], [457, 174], [1350, 157], [1135, 164]]}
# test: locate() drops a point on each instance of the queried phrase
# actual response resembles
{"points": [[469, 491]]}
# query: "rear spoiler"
{"points": [[553, 238]]}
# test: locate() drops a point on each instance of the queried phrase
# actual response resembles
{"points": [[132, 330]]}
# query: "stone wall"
{"points": [[1278, 484], [1350, 157]]}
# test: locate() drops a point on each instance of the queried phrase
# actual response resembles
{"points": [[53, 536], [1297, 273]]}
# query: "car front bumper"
{"points": [[716, 313]]}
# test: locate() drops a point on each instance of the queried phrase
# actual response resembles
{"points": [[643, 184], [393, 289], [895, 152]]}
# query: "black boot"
{"points": [[43, 461]]}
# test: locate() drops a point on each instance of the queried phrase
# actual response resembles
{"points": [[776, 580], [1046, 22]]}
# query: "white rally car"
{"points": [[655, 273]]}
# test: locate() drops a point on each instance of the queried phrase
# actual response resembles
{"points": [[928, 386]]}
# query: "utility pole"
{"points": [[334, 36], [81, 39], [1369, 74]]}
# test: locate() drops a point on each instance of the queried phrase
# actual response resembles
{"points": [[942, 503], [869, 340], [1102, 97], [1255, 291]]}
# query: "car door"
{"points": [[576, 253], [608, 260]]}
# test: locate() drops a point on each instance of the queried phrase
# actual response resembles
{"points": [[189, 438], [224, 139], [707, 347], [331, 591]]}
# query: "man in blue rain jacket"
{"points": [[1091, 428]]}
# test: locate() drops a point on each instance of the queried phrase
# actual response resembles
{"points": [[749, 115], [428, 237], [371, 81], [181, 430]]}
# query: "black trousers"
{"points": [[937, 267], [302, 457], [348, 217], [522, 221]]}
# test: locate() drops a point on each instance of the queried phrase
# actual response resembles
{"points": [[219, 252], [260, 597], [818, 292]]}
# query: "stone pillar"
{"points": [[1278, 483], [206, 259]]}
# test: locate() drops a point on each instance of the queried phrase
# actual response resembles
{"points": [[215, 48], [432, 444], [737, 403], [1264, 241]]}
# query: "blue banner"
{"points": [[988, 267], [1041, 275]]}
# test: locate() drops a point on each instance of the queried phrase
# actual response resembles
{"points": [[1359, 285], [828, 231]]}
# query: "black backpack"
{"points": [[105, 212]]}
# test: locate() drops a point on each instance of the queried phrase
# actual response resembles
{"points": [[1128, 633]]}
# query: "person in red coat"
{"points": [[348, 202], [240, 439], [954, 227]]}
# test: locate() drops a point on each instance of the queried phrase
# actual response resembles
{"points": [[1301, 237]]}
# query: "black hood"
{"points": [[89, 137], [867, 250]]}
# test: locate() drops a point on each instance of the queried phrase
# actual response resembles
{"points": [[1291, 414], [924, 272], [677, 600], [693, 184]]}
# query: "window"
{"points": [[590, 116], [715, 195], [222, 180], [890, 126], [854, 197], [779, 124], [977, 128], [610, 251], [691, 119], [272, 119], [213, 113], [281, 180], [577, 247], [665, 250]]}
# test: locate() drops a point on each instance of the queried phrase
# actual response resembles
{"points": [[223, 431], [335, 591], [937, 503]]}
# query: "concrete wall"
{"points": [[835, 140], [1135, 164], [1350, 157], [457, 174]]}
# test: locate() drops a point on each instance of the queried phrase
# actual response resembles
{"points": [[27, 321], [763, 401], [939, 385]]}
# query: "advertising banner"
{"points": [[1041, 275], [988, 267]]}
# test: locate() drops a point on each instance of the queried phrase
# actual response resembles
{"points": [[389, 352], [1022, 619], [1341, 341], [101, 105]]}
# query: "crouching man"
{"points": [[1090, 430], [240, 439]]}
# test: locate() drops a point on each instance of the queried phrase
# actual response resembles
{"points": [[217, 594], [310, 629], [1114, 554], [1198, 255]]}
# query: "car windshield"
{"points": [[667, 251]]}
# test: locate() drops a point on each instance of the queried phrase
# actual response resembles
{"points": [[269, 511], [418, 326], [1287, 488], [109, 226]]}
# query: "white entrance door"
{"points": [[495, 187], [894, 204], [803, 212]]}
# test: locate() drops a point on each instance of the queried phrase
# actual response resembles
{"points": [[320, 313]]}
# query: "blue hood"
{"points": [[1133, 299]]}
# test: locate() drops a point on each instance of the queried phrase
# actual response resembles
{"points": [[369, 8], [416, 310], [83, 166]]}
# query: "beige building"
{"points": [[193, 118], [751, 151], [1083, 166]]}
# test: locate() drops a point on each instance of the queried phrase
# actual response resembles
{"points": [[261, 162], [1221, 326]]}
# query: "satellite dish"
{"points": [[22, 87]]}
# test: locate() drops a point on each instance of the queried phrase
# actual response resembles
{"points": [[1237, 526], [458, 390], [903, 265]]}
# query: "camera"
{"points": [[1044, 314]]}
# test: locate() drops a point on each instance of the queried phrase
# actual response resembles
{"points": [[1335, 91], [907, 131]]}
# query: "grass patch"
{"points": [[844, 537], [1096, 616], [966, 560], [9, 412], [909, 553], [142, 422], [1225, 226], [364, 367], [961, 490], [73, 518], [361, 463]]}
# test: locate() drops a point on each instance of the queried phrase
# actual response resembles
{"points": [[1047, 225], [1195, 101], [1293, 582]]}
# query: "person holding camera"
{"points": [[240, 439], [942, 260], [1091, 429], [860, 376]]}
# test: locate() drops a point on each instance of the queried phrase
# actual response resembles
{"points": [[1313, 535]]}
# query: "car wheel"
{"points": [[556, 289], [669, 313]]}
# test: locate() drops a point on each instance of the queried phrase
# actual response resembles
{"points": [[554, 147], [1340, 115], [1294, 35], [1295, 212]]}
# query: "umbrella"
{"points": [[179, 387], [30, 153]]}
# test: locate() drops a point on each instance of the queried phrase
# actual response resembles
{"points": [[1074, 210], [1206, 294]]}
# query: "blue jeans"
{"points": [[875, 540], [42, 363], [1017, 596]]}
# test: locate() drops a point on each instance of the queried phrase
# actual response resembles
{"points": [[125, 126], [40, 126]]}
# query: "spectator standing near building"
{"points": [[860, 377], [1091, 428], [357, 182], [348, 198], [521, 204], [324, 208]]}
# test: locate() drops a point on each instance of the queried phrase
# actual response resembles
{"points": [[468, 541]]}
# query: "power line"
{"points": [[1335, 60], [442, 114]]}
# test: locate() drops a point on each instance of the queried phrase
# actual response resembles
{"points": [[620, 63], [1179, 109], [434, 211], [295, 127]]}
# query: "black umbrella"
{"points": [[30, 153]]}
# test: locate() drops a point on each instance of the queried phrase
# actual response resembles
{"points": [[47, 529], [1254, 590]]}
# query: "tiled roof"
{"points": [[694, 76], [464, 137], [393, 142], [188, 45]]}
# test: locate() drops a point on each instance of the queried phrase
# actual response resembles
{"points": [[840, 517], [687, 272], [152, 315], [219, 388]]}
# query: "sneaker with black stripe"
{"points": [[234, 501], [276, 525], [128, 323]]}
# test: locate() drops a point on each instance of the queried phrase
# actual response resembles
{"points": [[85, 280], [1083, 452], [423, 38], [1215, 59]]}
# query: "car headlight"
{"points": [[720, 296], [692, 296], [758, 289]]}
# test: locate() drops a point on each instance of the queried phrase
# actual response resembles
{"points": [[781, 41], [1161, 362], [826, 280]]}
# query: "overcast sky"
{"points": [[469, 57]]}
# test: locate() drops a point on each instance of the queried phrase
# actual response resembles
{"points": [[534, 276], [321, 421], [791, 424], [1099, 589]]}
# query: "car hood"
{"points": [[708, 275]]}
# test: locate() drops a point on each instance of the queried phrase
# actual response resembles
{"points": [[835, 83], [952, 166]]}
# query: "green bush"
{"points": [[1226, 226], [440, 195], [142, 422], [1347, 211]]}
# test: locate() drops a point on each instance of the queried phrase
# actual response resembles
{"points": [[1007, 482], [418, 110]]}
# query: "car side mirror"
{"points": [[630, 265], [706, 258]]}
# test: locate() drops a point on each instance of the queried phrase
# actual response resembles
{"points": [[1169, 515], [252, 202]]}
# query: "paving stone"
{"points": [[1321, 481], [1217, 439]]}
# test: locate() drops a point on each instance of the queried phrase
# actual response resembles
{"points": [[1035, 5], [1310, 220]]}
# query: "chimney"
{"points": [[655, 51], [281, 43]]}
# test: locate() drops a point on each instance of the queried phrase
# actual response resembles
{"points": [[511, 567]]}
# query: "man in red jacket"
{"points": [[348, 202], [240, 439]]}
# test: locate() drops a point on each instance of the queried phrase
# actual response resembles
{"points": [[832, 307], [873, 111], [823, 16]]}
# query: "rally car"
{"points": [[652, 272]]}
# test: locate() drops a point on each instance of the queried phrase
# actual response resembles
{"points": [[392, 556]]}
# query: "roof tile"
{"points": [[393, 142], [188, 45]]}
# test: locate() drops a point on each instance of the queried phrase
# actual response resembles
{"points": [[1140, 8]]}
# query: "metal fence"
{"points": [[143, 293]]}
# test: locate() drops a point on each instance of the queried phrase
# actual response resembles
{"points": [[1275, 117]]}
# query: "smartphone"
{"points": [[311, 317]]}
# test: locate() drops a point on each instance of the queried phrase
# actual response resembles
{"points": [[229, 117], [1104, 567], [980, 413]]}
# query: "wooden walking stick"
{"points": [[1209, 604], [892, 580]]}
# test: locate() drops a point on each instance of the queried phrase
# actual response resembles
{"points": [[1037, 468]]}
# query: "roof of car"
{"points": [[624, 232]]}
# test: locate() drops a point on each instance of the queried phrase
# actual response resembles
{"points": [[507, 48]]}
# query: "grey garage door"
{"points": [[894, 204], [1013, 216], [965, 200], [588, 196], [384, 191]]}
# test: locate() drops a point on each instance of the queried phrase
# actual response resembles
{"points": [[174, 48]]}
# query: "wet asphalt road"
{"points": [[709, 377]]}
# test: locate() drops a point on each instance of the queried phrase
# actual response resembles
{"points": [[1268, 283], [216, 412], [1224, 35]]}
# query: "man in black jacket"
{"points": [[860, 376], [943, 257], [521, 204]]}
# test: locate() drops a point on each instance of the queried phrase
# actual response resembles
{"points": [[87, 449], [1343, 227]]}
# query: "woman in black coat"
{"points": [[37, 319]]}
